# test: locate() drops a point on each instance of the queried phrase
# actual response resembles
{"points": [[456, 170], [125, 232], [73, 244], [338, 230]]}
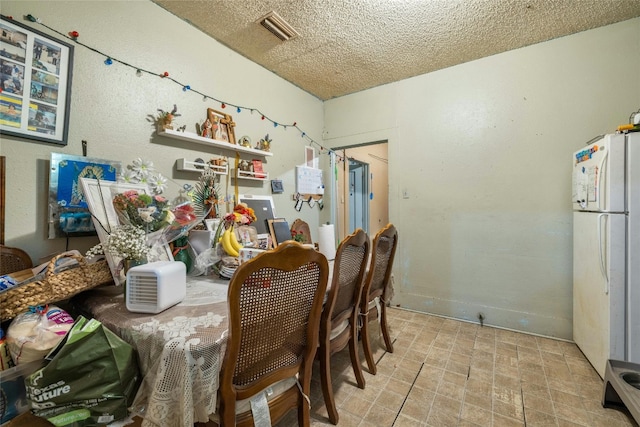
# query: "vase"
{"points": [[181, 253]]}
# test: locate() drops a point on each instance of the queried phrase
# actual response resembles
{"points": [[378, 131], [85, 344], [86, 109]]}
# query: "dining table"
{"points": [[180, 349]]}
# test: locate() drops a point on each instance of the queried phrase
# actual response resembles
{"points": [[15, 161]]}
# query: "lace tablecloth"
{"points": [[180, 350]]}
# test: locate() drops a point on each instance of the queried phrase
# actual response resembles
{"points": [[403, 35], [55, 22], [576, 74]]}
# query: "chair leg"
{"points": [[385, 327], [366, 345], [355, 358], [304, 412], [327, 388]]}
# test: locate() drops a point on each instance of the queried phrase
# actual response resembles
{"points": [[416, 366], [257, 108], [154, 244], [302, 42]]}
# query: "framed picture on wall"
{"points": [[35, 77]]}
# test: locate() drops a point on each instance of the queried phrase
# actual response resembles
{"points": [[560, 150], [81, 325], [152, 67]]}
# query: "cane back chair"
{"points": [[275, 303], [377, 290], [13, 259], [339, 323]]}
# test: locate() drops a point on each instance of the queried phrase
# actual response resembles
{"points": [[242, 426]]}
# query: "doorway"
{"points": [[361, 188], [358, 196]]}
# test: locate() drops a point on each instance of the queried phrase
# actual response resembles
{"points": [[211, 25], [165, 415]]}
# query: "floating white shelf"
{"points": [[192, 137], [240, 174], [186, 165]]}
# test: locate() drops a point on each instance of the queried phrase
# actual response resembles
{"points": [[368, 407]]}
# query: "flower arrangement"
{"points": [[298, 236], [127, 242], [149, 213], [241, 215], [143, 171]]}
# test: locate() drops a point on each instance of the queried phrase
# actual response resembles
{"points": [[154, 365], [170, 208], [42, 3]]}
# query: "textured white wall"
{"points": [[110, 107], [483, 151]]}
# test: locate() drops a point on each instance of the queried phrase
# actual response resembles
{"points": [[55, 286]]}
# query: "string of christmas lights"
{"points": [[110, 60]]}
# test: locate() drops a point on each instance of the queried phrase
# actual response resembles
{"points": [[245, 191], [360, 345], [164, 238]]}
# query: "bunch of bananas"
{"points": [[230, 243]]}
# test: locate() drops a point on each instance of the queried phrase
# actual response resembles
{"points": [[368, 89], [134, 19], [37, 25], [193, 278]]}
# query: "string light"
{"points": [[139, 71]]}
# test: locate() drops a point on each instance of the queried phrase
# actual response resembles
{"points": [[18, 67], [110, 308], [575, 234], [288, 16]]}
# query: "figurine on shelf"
{"points": [[220, 161], [207, 129], [245, 166], [165, 118], [245, 141], [264, 144]]}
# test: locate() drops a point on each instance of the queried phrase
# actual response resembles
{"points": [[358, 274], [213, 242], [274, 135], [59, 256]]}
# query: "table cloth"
{"points": [[180, 350]]}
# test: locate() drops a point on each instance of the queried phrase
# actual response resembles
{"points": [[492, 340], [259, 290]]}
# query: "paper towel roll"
{"points": [[327, 241]]}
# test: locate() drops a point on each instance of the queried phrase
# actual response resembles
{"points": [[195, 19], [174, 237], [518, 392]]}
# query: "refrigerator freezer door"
{"points": [[633, 248], [598, 176], [599, 286]]}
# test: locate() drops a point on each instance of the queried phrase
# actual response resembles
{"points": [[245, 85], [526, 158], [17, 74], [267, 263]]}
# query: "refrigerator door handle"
{"points": [[603, 266], [601, 184]]}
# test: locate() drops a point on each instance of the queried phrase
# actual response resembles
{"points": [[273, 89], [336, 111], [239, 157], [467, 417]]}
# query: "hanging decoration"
{"points": [[110, 60]]}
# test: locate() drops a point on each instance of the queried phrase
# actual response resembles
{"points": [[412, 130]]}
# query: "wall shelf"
{"points": [[240, 174], [192, 137], [186, 165]]}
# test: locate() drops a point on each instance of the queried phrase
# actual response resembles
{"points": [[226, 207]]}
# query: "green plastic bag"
{"points": [[91, 379]]}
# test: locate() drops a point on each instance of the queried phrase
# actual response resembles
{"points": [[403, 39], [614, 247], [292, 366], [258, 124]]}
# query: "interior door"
{"points": [[598, 287], [358, 200]]}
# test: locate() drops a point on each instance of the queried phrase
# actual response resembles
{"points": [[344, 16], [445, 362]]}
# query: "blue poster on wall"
{"points": [[68, 211]]}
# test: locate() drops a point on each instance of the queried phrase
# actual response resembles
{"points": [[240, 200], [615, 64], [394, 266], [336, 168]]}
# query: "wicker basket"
{"points": [[56, 286]]}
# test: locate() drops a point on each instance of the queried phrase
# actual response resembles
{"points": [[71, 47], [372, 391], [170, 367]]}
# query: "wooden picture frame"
{"points": [[279, 230], [35, 76], [223, 126], [99, 196]]}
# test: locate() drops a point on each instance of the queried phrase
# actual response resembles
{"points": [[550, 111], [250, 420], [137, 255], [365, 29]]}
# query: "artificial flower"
{"points": [[125, 242], [142, 210], [158, 183], [241, 215]]}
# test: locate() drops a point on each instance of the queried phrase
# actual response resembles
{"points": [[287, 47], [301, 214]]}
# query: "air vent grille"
{"points": [[143, 289], [278, 26]]}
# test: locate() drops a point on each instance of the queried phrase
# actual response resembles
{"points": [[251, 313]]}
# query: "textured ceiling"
{"points": [[346, 46]]}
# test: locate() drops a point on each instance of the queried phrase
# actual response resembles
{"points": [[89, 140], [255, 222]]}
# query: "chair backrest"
{"points": [[349, 269], [301, 227], [13, 259], [383, 251], [275, 302]]}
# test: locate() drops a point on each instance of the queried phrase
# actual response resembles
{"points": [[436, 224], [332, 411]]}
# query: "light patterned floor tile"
{"points": [[447, 373]]}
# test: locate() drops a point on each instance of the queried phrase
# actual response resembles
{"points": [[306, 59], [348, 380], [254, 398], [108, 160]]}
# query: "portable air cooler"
{"points": [[154, 287]]}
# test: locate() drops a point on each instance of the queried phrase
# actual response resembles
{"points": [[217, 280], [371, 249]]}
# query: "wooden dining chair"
{"points": [[376, 292], [13, 259], [275, 302], [339, 322]]}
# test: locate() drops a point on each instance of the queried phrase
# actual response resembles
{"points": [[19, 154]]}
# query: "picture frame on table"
{"points": [[223, 126], [99, 196], [279, 230], [68, 212], [35, 77]]}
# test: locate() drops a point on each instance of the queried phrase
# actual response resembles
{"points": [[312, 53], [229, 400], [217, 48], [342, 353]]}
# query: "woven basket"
{"points": [[56, 286]]}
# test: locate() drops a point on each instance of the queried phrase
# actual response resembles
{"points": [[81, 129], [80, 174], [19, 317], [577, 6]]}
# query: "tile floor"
{"points": [[445, 372]]}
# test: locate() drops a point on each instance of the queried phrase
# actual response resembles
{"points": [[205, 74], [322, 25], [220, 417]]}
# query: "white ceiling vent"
{"points": [[278, 26]]}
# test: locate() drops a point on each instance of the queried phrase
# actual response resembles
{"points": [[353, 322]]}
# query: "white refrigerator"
{"points": [[606, 249]]}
